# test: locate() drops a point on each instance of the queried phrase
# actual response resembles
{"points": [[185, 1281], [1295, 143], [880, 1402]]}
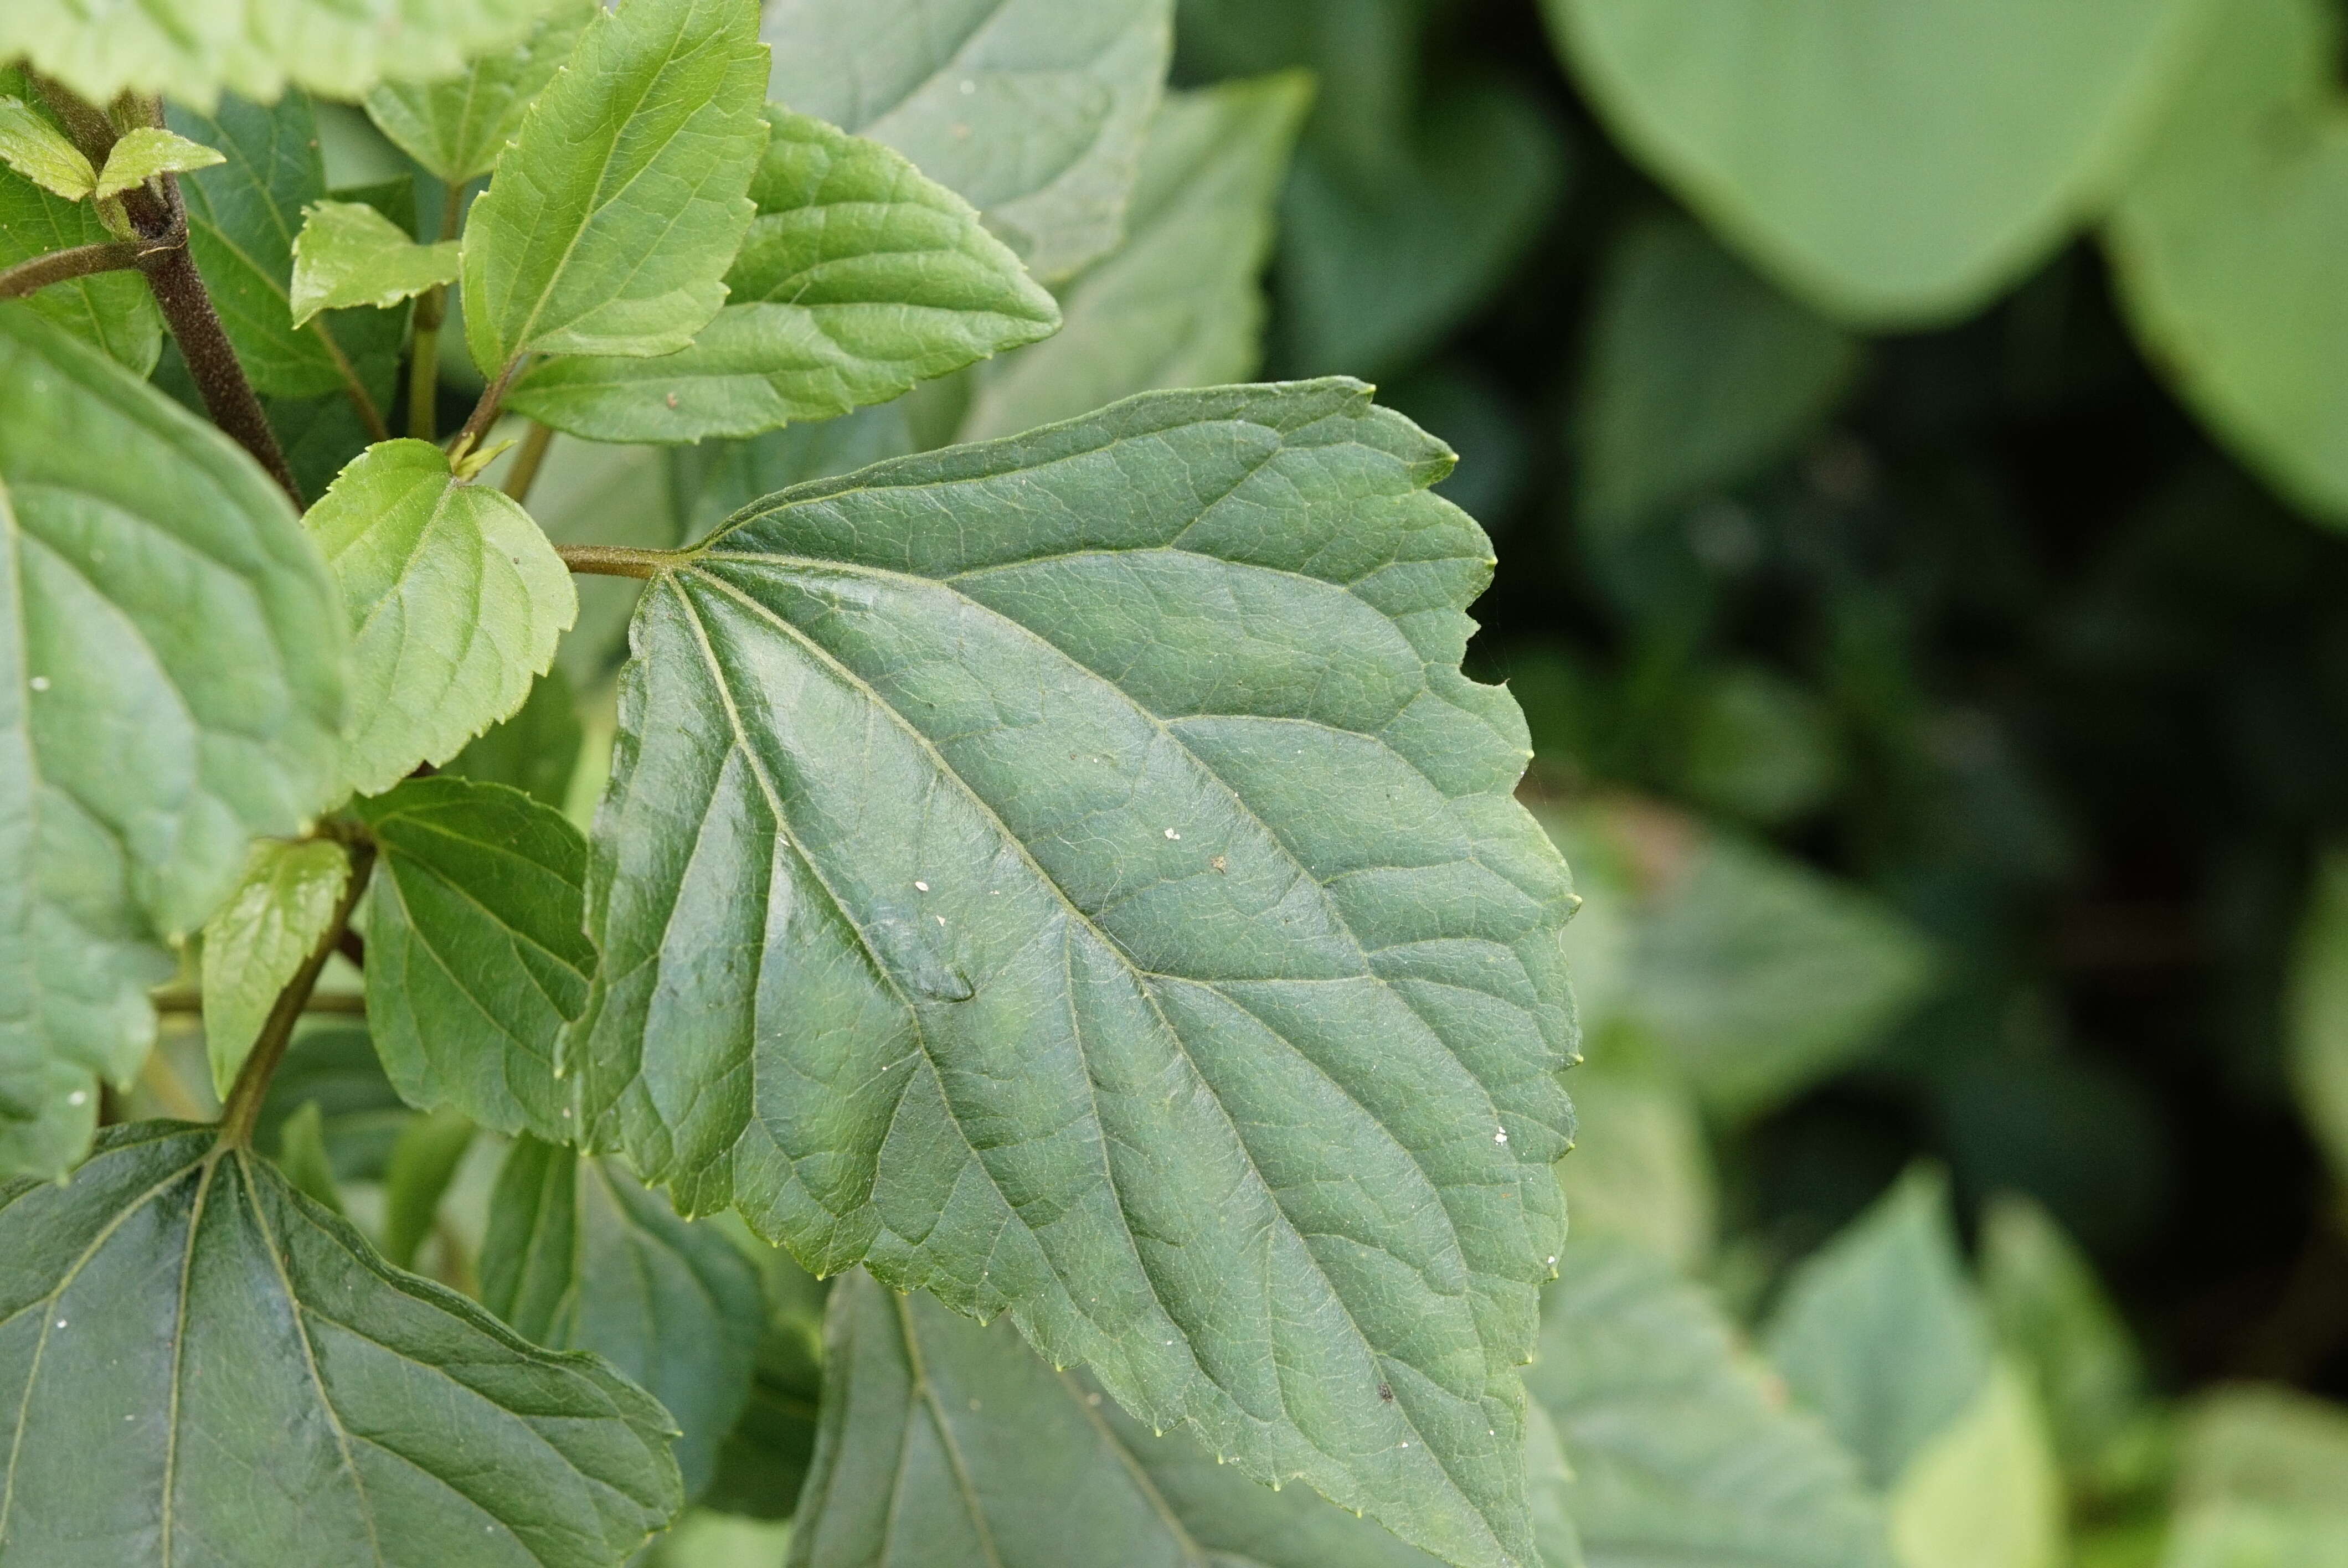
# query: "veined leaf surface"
{"points": [[456, 127]]}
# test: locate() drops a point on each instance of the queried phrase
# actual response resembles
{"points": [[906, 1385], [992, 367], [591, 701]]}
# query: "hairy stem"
{"points": [[618, 560], [58, 266], [528, 461], [252, 1084], [485, 412], [187, 305]]}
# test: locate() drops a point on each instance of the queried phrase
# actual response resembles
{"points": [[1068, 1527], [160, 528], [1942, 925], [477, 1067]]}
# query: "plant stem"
{"points": [[528, 461], [244, 1097], [194, 1003], [424, 350], [618, 560], [179, 288], [58, 266], [485, 412]]}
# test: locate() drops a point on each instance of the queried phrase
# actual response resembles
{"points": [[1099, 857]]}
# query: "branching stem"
{"points": [[252, 1084], [58, 266]]}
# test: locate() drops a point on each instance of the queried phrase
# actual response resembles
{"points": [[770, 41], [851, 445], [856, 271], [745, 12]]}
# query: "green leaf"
{"points": [[713, 481], [1985, 1492], [192, 50], [589, 493], [456, 602], [423, 1164], [1893, 167], [858, 279], [2219, 239], [536, 751], [333, 1066], [113, 311], [1699, 373], [612, 219], [763, 1466], [204, 1365], [580, 1257], [455, 127], [171, 688], [1881, 1333], [1181, 303], [255, 942], [948, 1445], [705, 1540], [302, 1155], [1131, 853], [475, 953], [243, 216], [1679, 1451], [1034, 110], [42, 153], [1641, 1168], [146, 151], [2317, 1010], [350, 254]]}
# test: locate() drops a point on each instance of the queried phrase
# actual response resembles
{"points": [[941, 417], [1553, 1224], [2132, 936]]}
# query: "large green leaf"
{"points": [[946, 1445], [192, 50], [475, 956], [618, 209], [1699, 373], [580, 1257], [2220, 240], [455, 602], [456, 127], [1034, 110], [1679, 1450], [243, 216], [1110, 907], [112, 310], [171, 687], [255, 943], [1891, 163], [858, 279], [203, 1365], [1181, 304]]}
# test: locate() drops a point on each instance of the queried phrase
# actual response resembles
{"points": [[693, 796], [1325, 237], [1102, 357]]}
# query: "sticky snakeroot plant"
{"points": [[1063, 879]]}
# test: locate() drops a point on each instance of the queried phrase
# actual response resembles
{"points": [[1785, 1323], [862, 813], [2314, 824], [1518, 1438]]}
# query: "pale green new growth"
{"points": [[112, 310], [1034, 110], [145, 151], [456, 128], [39, 151], [202, 1366], [350, 254], [1010, 1464], [858, 279], [455, 601], [617, 211], [255, 941], [1199, 1002], [171, 663], [579, 1256], [1181, 303]]}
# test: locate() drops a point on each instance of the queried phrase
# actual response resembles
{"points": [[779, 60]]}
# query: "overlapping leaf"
{"points": [[580, 1257], [456, 602], [857, 278], [475, 956], [1890, 164], [1107, 905], [171, 687], [348, 254], [1034, 110], [946, 1445], [1181, 304], [456, 127], [613, 218], [201, 1365]]}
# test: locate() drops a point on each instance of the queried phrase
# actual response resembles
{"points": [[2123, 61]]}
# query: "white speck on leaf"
{"points": [[1171, 834], [922, 886], [1501, 1137], [968, 86], [39, 682], [78, 1097]]}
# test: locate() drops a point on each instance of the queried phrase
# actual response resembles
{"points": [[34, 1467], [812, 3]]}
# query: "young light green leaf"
{"points": [[42, 153], [1679, 1450], [1034, 110], [1699, 373], [1882, 1333], [113, 311], [580, 1257], [858, 279], [615, 214], [456, 602], [171, 688], [145, 151], [177, 1323], [456, 127], [1181, 303], [243, 216], [1985, 1490], [475, 953], [423, 1164], [1065, 840], [194, 50], [536, 751], [350, 254], [1891, 166], [255, 941], [302, 1155], [1009, 1464], [2219, 239]]}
